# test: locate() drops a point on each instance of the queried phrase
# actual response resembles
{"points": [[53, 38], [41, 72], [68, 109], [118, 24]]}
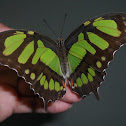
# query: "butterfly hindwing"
{"points": [[33, 56], [91, 47]]}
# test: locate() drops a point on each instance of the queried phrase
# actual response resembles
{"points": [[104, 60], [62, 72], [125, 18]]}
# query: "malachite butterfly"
{"points": [[80, 61]]}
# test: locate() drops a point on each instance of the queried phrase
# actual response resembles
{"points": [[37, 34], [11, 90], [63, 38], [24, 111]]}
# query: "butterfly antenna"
{"points": [[63, 24], [50, 28]]}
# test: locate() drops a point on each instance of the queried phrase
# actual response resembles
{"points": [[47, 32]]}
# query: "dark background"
{"points": [[111, 109]]}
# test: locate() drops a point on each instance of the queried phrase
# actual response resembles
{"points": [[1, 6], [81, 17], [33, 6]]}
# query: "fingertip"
{"points": [[4, 27], [24, 105], [70, 96], [59, 106], [8, 96], [56, 107]]}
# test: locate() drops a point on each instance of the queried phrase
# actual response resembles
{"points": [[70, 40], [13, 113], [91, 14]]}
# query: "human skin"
{"points": [[16, 96]]}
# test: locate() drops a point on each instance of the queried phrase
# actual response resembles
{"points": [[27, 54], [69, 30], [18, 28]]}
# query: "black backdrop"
{"points": [[110, 110]]}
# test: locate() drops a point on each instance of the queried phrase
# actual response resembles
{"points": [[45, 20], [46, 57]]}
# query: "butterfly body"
{"points": [[64, 65], [80, 61]]}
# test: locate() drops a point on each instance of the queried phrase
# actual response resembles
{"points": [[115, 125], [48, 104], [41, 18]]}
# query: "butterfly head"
{"points": [[60, 42]]}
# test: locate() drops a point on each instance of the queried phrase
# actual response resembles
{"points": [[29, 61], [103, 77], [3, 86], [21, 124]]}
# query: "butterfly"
{"points": [[79, 61]]}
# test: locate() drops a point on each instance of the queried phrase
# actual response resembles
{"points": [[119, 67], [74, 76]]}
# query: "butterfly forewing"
{"points": [[91, 47], [33, 57]]}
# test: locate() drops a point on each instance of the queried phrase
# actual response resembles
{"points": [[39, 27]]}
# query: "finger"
{"points": [[24, 89], [24, 105], [59, 106], [8, 98], [70, 96], [4, 27], [28, 105], [26, 100], [56, 107]]}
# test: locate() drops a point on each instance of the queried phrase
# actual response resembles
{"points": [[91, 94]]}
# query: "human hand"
{"points": [[16, 96]]}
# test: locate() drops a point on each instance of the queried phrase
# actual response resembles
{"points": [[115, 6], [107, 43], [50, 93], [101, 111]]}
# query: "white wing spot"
{"points": [[73, 87], [64, 89]]}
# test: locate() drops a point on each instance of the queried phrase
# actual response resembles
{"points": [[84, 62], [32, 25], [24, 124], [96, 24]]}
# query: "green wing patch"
{"points": [[80, 48], [42, 53], [13, 42], [107, 26], [26, 53], [98, 41]]}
